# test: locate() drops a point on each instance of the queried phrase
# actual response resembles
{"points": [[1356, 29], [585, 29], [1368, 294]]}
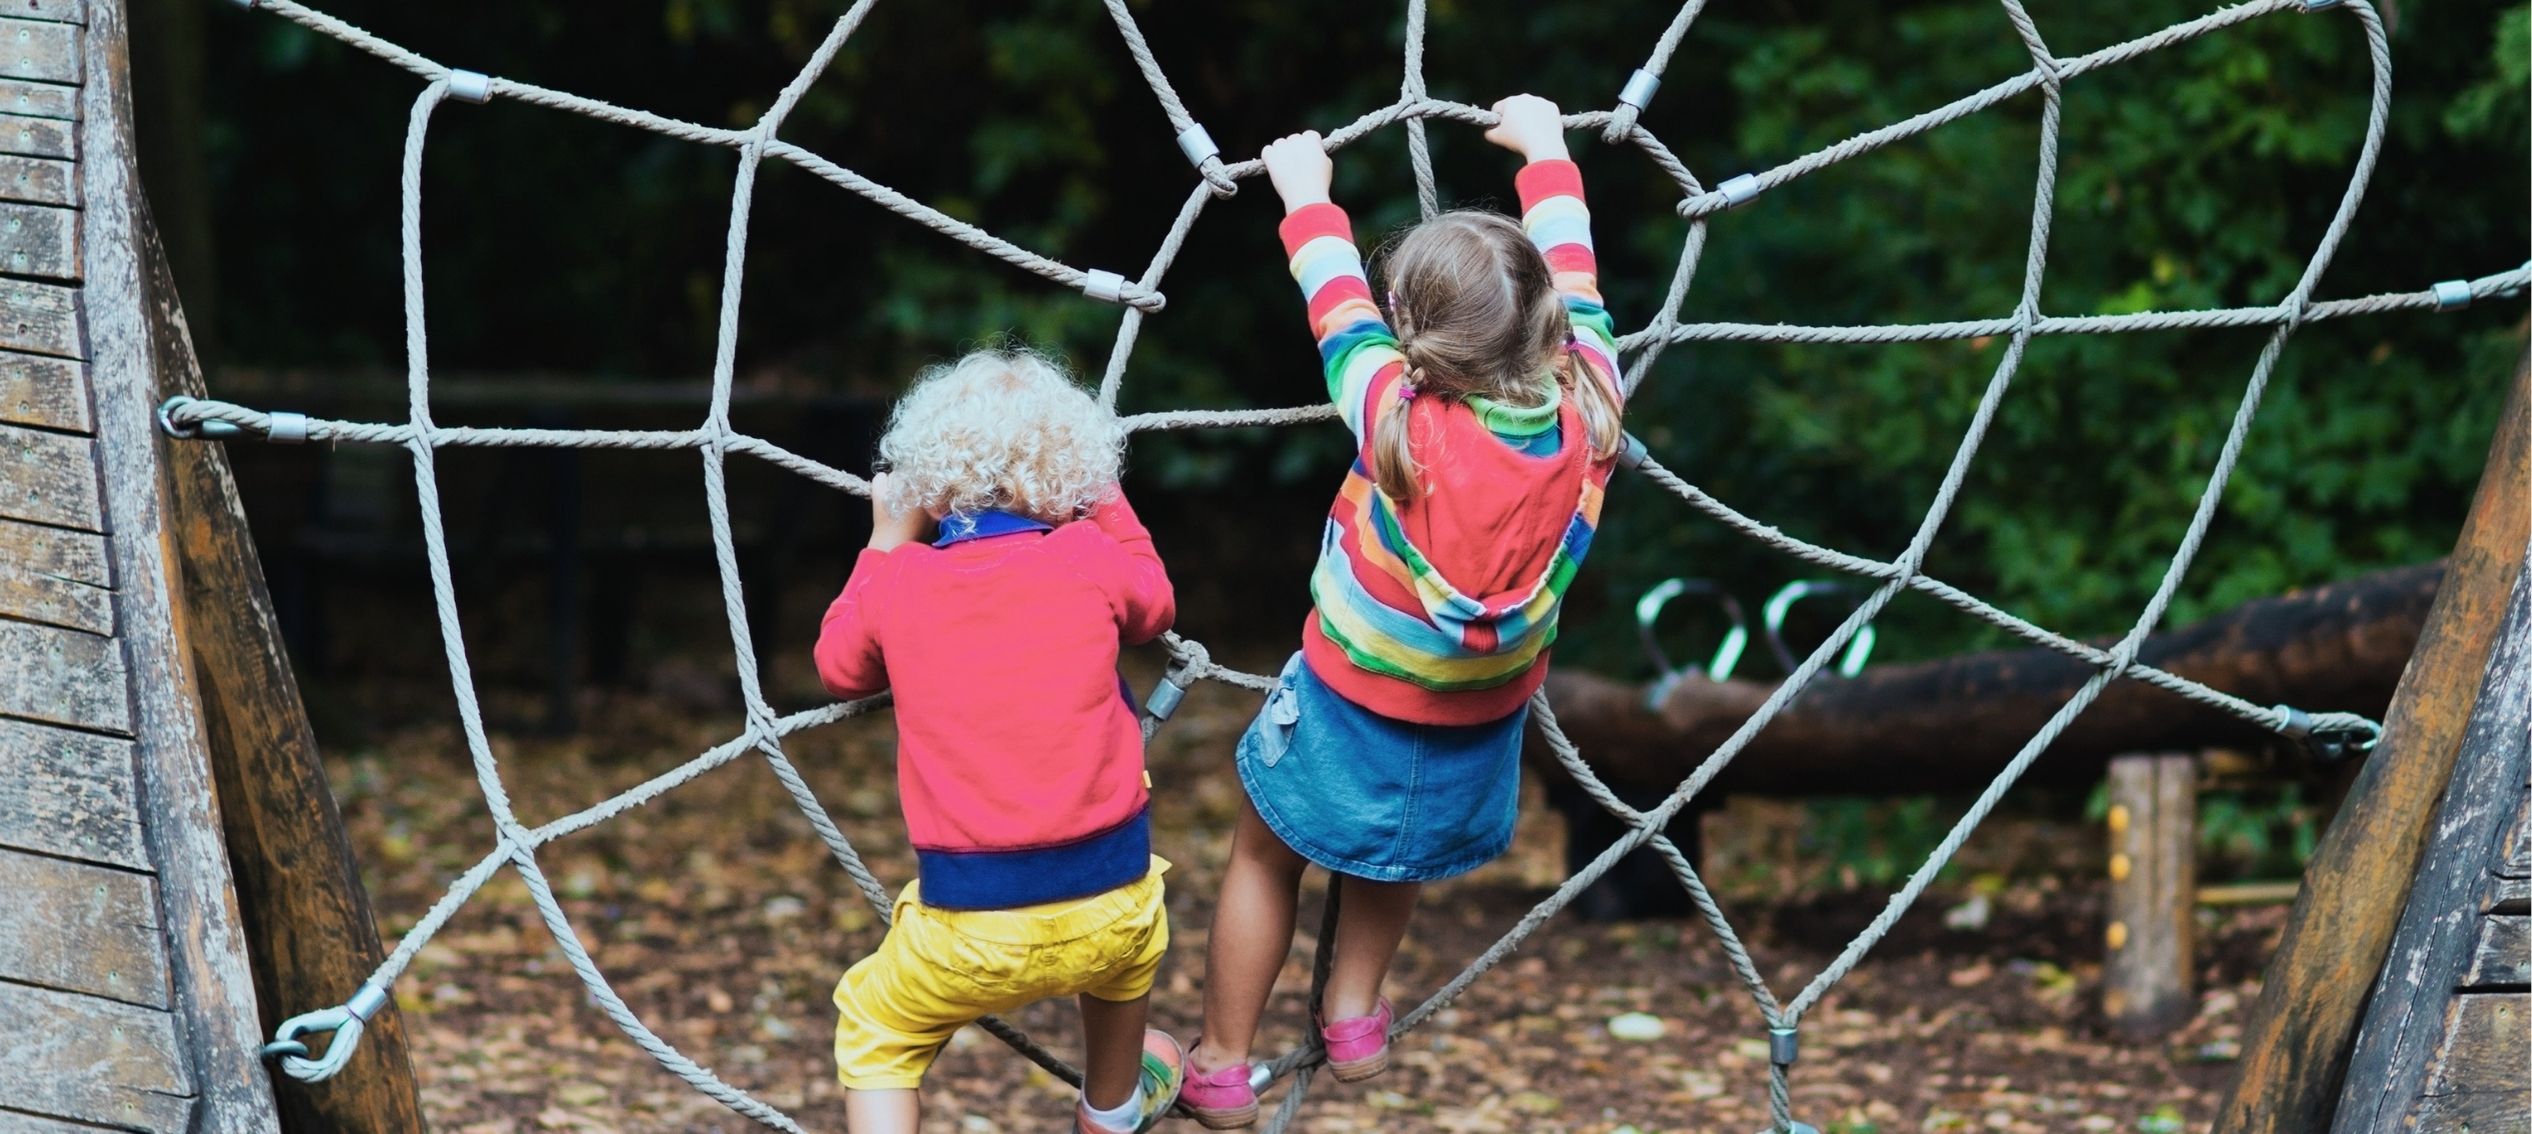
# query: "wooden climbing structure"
{"points": [[176, 878], [125, 995]]}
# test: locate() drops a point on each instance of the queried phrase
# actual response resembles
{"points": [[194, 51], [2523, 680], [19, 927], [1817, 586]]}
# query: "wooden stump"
{"points": [[2147, 988]]}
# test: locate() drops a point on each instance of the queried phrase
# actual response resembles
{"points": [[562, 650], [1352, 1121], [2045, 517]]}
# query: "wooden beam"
{"points": [[135, 331], [34, 135], [2148, 981], [38, 318], [63, 677], [1950, 723], [93, 1060], [2295, 1043], [42, 181], [69, 795], [51, 392], [81, 928], [298, 886], [42, 50]]}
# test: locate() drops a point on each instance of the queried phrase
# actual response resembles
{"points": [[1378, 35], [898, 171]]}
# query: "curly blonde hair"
{"points": [[1000, 428]]}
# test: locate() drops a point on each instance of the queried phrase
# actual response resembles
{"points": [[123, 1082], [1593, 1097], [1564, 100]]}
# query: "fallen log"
{"points": [[1950, 724]]}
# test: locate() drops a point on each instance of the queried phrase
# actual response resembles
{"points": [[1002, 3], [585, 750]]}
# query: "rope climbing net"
{"points": [[516, 844]]}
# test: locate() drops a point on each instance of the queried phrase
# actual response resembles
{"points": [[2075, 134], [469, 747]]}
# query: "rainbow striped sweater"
{"points": [[1441, 611]]}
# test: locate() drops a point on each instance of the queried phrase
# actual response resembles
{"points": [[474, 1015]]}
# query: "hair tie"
{"points": [[1406, 391]]}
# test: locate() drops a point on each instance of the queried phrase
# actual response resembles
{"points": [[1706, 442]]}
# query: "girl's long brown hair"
{"points": [[1477, 312]]}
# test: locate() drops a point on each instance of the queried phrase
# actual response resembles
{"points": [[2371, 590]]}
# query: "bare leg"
{"points": [[1112, 1048], [1252, 934], [1372, 920], [882, 1112]]}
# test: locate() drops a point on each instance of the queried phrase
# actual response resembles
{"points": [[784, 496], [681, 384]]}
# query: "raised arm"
{"points": [[1357, 350], [1553, 213], [848, 656]]}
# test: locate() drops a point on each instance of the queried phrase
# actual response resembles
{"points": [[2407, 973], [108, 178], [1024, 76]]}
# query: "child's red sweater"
{"points": [[1019, 758]]}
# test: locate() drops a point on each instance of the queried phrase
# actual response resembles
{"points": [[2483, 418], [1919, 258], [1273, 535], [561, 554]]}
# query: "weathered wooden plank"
{"points": [[81, 928], [2480, 1085], [135, 333], [70, 795], [51, 392], [42, 181], [63, 677], [2503, 956], [12, 1122], [39, 318], [93, 1060], [55, 576], [38, 100], [79, 557], [2405, 1019], [39, 240], [2510, 896], [65, 11], [42, 50], [2295, 1042], [49, 478], [37, 136], [34, 596], [2146, 982]]}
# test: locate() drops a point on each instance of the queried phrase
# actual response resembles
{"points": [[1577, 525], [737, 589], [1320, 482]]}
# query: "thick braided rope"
{"points": [[516, 844]]}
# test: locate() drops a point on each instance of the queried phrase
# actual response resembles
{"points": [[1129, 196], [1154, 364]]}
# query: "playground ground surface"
{"points": [[721, 919]]}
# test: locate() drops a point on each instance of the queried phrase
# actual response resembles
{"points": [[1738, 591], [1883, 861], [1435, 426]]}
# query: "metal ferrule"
{"points": [[1107, 287], [1738, 191], [1197, 145], [2452, 295], [1639, 88], [473, 86]]}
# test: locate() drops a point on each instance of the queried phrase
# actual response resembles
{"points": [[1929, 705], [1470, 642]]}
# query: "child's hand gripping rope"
{"points": [[1531, 127], [889, 528], [1299, 167]]}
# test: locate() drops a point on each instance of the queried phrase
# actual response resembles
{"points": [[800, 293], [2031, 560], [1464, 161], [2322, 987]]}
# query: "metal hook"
{"points": [[1727, 654], [1783, 600]]}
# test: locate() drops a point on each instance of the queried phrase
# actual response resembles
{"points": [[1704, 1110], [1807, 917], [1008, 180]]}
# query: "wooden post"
{"points": [[2147, 987], [127, 348], [2295, 1045], [2438, 1050], [307, 918]]}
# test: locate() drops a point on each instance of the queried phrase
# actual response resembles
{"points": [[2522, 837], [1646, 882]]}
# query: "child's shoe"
{"points": [[1164, 1072], [1358, 1048], [1221, 1099]]}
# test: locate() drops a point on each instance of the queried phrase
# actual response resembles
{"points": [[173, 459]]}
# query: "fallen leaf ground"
{"points": [[721, 920]]}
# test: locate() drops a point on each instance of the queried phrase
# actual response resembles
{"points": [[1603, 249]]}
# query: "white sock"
{"points": [[1121, 1118]]}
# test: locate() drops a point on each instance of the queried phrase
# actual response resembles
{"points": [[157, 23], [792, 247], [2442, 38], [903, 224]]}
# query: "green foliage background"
{"points": [[2197, 176]]}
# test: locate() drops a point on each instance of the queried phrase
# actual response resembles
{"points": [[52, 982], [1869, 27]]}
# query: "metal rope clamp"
{"points": [[345, 1022], [2327, 744], [1166, 695], [1727, 654], [1639, 88], [472, 86], [1197, 143]]}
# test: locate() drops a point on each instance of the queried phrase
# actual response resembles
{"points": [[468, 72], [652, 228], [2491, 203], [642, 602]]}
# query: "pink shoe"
{"points": [[1358, 1048], [1220, 1099]]}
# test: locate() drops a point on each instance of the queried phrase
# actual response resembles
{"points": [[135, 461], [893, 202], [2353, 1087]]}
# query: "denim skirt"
{"points": [[1382, 799]]}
